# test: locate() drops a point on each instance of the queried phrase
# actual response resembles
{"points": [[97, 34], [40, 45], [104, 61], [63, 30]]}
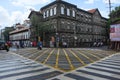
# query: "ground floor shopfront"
{"points": [[21, 43], [72, 40]]}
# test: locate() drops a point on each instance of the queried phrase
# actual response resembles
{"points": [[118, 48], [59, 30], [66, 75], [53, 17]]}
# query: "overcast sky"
{"points": [[14, 11]]}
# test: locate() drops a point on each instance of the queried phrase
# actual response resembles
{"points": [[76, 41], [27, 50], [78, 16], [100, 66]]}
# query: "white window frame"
{"points": [[62, 10], [51, 12], [44, 14], [68, 12], [47, 13], [55, 11], [73, 13]]}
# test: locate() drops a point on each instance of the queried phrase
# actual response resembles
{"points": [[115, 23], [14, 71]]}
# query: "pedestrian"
{"points": [[39, 45], [17, 46], [6, 47], [95, 44], [64, 44]]}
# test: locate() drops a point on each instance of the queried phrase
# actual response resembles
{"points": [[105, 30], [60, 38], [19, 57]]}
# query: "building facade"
{"points": [[72, 25], [20, 36]]}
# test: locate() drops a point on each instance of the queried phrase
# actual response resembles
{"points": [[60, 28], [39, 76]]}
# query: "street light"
{"points": [[75, 37], [57, 40]]}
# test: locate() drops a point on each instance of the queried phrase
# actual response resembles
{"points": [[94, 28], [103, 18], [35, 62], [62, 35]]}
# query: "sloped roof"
{"points": [[34, 12], [19, 30], [58, 1], [92, 10]]}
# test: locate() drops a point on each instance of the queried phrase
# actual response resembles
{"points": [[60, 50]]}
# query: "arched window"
{"points": [[62, 10], [55, 11], [44, 15], [47, 13], [51, 12], [68, 12], [73, 13]]}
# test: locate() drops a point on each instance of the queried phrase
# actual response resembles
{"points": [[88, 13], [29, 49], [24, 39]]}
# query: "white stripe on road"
{"points": [[104, 68], [10, 60], [13, 62], [61, 77], [89, 76], [100, 72], [19, 66], [20, 71], [7, 65], [27, 75], [107, 65]]}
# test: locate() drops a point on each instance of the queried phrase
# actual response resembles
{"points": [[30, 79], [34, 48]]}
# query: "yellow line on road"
{"points": [[85, 56], [27, 51], [108, 52], [93, 55], [81, 61], [35, 53], [68, 59], [41, 54], [97, 53], [48, 56], [57, 58]]}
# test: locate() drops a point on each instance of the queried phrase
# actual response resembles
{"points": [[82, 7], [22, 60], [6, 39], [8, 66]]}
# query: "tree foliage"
{"points": [[6, 32], [40, 26], [115, 11], [113, 16]]}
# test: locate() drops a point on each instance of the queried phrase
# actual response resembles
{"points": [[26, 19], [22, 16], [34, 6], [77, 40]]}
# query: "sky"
{"points": [[16, 11]]}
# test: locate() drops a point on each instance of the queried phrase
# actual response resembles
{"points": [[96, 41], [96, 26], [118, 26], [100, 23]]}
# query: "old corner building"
{"points": [[72, 25]]}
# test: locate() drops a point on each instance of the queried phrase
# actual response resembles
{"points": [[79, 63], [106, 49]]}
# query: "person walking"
{"points": [[40, 45], [6, 47], [17, 46]]}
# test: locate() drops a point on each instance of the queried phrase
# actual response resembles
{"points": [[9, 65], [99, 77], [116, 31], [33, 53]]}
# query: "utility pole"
{"points": [[110, 8], [109, 42]]}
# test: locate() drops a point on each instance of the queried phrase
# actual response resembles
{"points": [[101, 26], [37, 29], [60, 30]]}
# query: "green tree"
{"points": [[40, 26], [35, 21], [108, 27], [6, 32], [115, 14]]}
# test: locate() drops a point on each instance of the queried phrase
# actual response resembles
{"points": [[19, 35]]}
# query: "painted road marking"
{"points": [[93, 55], [82, 57], [86, 56], [41, 54], [68, 59], [97, 53], [48, 56], [57, 58], [81, 61], [35, 53]]}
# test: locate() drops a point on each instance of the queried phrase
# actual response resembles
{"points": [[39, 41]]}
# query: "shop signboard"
{"points": [[115, 32]]}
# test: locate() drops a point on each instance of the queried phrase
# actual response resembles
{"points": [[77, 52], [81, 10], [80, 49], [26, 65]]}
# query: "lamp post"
{"points": [[57, 40], [75, 38]]}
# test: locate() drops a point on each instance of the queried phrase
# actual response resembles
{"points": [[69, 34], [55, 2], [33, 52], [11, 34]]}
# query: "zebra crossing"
{"points": [[107, 69], [19, 68], [15, 67]]}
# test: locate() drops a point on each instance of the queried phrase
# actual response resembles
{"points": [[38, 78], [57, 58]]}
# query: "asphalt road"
{"points": [[59, 64], [65, 59]]}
